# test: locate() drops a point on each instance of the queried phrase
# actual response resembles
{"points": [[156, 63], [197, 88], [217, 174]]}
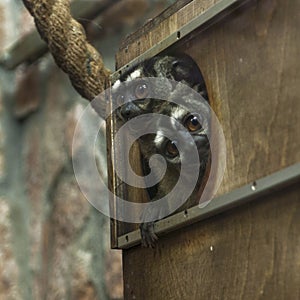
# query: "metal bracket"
{"points": [[208, 15], [237, 197]]}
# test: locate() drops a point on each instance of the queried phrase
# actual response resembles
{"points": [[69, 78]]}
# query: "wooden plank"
{"points": [[248, 253], [209, 16], [143, 41], [251, 80], [139, 195], [250, 64], [154, 22], [250, 192]]}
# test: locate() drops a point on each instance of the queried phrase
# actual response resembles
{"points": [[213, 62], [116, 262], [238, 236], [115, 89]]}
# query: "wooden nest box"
{"points": [[245, 244]]}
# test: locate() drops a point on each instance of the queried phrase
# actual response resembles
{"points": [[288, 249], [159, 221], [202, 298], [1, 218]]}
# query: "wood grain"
{"points": [[252, 252], [250, 63], [145, 40], [154, 22], [250, 66]]}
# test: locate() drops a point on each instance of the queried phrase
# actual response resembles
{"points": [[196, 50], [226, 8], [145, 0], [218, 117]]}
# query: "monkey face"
{"points": [[132, 90], [135, 96], [132, 97], [194, 125]]}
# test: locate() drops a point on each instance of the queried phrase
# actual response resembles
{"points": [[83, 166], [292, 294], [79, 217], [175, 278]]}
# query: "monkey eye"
{"points": [[193, 123], [141, 90], [171, 149], [120, 99]]}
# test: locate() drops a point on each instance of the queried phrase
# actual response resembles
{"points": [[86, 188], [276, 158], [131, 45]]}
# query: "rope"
{"points": [[68, 44]]}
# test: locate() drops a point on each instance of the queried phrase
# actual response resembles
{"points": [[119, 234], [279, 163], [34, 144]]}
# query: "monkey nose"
{"points": [[203, 141], [129, 111], [203, 146]]}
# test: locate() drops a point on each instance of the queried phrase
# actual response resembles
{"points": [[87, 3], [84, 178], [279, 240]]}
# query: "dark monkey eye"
{"points": [[171, 149], [141, 90], [120, 99], [192, 123]]}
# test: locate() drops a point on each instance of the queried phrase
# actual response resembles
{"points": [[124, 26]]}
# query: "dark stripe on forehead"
{"points": [[124, 76], [147, 67]]}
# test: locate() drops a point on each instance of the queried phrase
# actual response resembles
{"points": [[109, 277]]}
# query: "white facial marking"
{"points": [[116, 85], [159, 138], [134, 75], [178, 113]]}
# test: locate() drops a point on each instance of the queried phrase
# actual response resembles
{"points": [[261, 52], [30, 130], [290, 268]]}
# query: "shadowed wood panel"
{"points": [[252, 252], [251, 70], [250, 63]]}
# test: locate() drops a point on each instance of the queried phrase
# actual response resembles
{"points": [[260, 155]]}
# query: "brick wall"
{"points": [[54, 244]]}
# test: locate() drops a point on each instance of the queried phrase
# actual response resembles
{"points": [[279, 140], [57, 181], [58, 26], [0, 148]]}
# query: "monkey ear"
{"points": [[180, 69], [201, 89], [184, 68]]}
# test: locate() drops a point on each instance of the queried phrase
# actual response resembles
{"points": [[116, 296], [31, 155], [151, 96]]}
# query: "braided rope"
{"points": [[68, 44]]}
